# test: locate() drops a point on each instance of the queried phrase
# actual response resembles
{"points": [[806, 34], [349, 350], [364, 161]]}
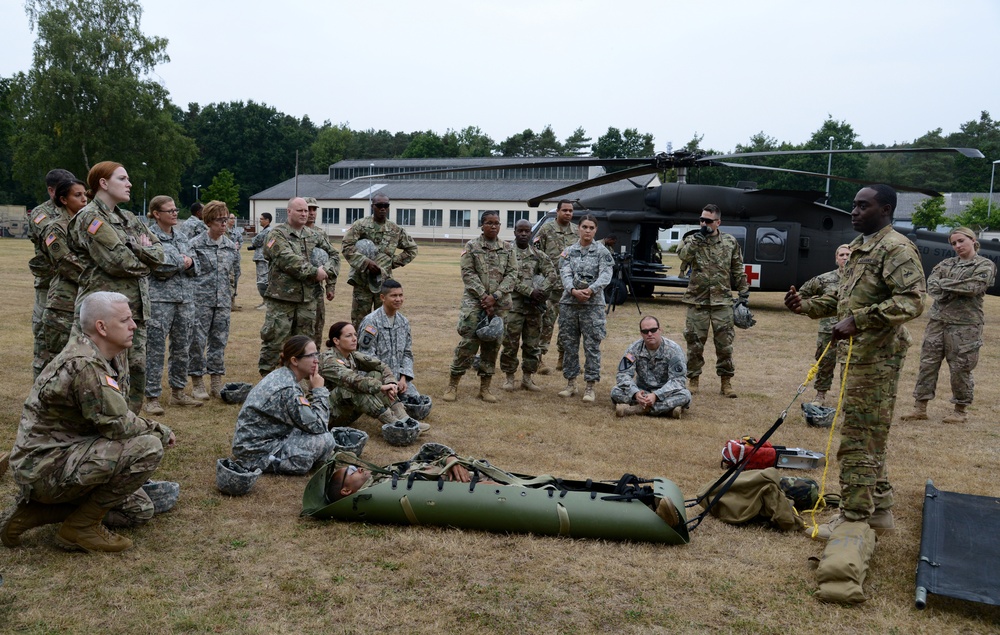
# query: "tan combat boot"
{"points": [[726, 390], [216, 386], [677, 412], [528, 384], [153, 406], [693, 385], [569, 390], [24, 516], [179, 398], [484, 389], [508, 383], [626, 410], [198, 388], [919, 412], [588, 393], [820, 398], [542, 368], [83, 529], [399, 410], [958, 416], [451, 392]]}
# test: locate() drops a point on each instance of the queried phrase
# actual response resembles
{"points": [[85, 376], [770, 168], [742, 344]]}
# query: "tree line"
{"points": [[88, 97]]}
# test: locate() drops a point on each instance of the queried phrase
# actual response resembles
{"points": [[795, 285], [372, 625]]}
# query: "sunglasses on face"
{"points": [[655, 329], [707, 221], [380, 205]]}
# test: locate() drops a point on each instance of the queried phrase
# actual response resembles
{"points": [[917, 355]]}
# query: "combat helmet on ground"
{"points": [[164, 494], [417, 406], [234, 479], [235, 392], [818, 416], [349, 440], [402, 432]]}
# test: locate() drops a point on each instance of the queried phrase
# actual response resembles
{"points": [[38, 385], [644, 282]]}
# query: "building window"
{"points": [[354, 214], [281, 215], [460, 218], [406, 217], [432, 218], [331, 216], [541, 215], [514, 215]]}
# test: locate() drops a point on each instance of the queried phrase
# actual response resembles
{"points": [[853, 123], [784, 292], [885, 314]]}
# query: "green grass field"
{"points": [[250, 565]]}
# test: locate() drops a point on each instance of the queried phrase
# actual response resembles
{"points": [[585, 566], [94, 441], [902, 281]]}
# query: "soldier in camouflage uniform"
{"points": [[193, 225], [235, 233], [535, 276], [388, 238], [489, 273], [385, 334], [215, 257], [651, 376], [716, 270], [171, 296], [259, 257], [881, 288], [41, 263], [60, 301], [80, 452], [280, 429], [585, 269], [358, 383], [117, 252], [825, 284], [291, 305], [552, 239], [322, 253], [955, 330]]}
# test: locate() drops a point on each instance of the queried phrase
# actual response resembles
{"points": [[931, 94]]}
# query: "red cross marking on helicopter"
{"points": [[753, 275]]}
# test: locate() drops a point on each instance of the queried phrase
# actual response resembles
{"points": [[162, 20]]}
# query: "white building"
{"points": [[442, 206]]}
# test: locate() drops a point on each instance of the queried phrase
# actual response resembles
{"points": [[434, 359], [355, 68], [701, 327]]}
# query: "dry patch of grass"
{"points": [[250, 565]]}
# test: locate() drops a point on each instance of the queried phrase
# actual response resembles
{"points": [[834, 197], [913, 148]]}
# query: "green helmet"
{"points": [[802, 491]]}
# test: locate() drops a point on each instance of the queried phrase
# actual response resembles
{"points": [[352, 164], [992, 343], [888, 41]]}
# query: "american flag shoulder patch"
{"points": [[94, 226]]}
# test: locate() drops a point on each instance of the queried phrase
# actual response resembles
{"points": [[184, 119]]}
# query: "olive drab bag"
{"points": [[754, 495]]}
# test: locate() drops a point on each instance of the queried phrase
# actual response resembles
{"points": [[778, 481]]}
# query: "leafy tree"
{"points": [[426, 145], [975, 216], [547, 145], [256, 142], [333, 144], [973, 175], [615, 144], [929, 213], [522, 144], [223, 188], [88, 96], [11, 192], [473, 142], [577, 144]]}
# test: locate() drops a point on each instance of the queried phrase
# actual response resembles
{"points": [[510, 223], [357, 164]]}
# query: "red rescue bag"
{"points": [[736, 449]]}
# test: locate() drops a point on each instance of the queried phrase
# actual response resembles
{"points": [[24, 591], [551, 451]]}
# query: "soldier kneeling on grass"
{"points": [[652, 376], [81, 456]]}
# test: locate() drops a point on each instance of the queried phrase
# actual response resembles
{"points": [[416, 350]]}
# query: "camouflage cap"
{"points": [[417, 406], [164, 494], [818, 416], [311, 202], [235, 392], [234, 479], [400, 433], [349, 440], [802, 491]]}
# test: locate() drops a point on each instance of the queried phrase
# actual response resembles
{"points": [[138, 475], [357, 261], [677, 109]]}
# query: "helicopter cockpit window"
{"points": [[739, 233], [770, 244]]}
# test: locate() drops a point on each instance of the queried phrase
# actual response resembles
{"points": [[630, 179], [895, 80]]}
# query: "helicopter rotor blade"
{"points": [[972, 153], [901, 188], [604, 179]]}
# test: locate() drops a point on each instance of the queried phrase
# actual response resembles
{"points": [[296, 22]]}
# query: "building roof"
{"points": [[434, 188]]}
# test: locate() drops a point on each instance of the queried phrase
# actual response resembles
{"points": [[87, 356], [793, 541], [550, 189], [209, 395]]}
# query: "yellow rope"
{"points": [[821, 503]]}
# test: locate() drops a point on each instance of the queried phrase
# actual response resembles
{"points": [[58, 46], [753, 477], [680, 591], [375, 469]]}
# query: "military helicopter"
{"points": [[787, 237]]}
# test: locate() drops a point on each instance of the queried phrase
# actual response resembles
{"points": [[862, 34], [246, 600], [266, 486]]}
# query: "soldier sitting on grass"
{"points": [[651, 376]]}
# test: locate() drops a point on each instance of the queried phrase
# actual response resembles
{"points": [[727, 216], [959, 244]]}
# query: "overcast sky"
{"points": [[723, 69]]}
